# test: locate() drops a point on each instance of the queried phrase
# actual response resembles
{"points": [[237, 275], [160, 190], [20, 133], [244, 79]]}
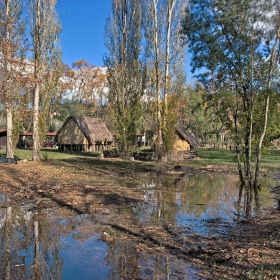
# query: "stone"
{"points": [[8, 160]]}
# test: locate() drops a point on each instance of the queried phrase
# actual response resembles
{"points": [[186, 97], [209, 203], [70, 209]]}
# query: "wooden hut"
{"points": [[84, 134], [185, 140]]}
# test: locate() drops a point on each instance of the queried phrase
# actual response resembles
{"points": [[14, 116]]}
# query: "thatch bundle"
{"points": [[189, 137]]}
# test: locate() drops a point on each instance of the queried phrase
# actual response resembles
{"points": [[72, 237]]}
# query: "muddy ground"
{"points": [[249, 251]]}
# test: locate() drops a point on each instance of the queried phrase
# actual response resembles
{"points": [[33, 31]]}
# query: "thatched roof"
{"points": [[188, 136], [94, 129]]}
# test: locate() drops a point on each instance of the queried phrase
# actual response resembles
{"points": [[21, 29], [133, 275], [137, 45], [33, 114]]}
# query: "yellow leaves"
{"points": [[85, 81]]}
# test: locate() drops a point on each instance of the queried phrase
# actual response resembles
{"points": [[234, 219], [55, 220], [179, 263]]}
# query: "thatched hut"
{"points": [[84, 134], [185, 140]]}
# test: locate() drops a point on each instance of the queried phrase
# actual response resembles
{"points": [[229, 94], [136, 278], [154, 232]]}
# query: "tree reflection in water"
{"points": [[50, 245], [30, 249], [192, 199], [126, 262], [247, 206]]}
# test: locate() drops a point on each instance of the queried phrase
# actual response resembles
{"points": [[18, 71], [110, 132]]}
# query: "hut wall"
{"points": [[71, 134], [3, 140], [181, 145]]}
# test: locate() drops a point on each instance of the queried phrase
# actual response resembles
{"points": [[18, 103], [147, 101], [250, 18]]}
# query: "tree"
{"points": [[11, 67], [87, 85], [45, 30], [125, 71], [164, 50], [197, 114], [238, 42]]}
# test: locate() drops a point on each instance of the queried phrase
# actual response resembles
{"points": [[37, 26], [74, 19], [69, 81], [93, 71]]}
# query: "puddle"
{"points": [[205, 203], [51, 245]]}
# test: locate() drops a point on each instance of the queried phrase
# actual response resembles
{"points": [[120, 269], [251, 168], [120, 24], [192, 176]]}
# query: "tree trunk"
{"points": [[9, 112], [36, 136], [268, 87], [37, 70], [170, 7], [159, 141], [9, 145]]}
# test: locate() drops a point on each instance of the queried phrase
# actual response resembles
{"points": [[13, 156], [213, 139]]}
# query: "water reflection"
{"points": [[57, 247], [128, 265], [46, 244], [29, 246], [196, 201]]}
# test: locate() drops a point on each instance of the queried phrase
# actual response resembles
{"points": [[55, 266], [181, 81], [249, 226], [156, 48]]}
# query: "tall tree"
{"points": [[125, 73], [164, 50], [45, 29], [238, 41], [11, 49]]}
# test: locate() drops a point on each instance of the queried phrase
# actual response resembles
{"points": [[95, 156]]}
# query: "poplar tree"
{"points": [[125, 71], [45, 29], [11, 67], [165, 55]]}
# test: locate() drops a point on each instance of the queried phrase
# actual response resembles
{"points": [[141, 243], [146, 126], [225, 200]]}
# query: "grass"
{"points": [[215, 157], [269, 160], [206, 156], [49, 154]]}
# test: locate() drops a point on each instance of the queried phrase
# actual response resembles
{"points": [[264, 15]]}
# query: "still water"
{"points": [[47, 244]]}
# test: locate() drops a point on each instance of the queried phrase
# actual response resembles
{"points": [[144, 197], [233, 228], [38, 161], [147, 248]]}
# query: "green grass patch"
{"points": [[49, 154], [215, 157], [206, 156], [270, 159]]}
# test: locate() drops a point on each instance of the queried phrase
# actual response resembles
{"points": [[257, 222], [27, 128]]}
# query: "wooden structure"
{"points": [[185, 141], [84, 134], [26, 140], [30, 134], [27, 136], [3, 137]]}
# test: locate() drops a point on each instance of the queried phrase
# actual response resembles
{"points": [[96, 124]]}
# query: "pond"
{"points": [[51, 244]]}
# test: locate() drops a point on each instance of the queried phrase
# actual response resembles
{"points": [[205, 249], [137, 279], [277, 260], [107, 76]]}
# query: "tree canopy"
{"points": [[238, 43]]}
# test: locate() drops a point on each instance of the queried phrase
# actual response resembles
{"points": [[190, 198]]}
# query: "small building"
{"points": [[27, 138], [3, 137], [84, 134], [185, 140], [24, 136]]}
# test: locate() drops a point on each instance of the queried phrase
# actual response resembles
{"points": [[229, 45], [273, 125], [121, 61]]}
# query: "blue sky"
{"points": [[83, 23]]}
